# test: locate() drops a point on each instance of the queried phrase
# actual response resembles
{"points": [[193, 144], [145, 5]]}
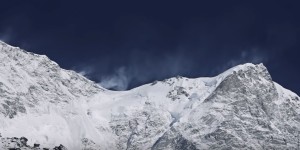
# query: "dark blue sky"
{"points": [[129, 43]]}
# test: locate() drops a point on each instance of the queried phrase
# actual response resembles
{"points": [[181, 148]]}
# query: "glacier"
{"points": [[43, 106]]}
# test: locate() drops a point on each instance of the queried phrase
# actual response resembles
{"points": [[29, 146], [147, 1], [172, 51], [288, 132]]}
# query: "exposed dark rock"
{"points": [[60, 147], [36, 145]]}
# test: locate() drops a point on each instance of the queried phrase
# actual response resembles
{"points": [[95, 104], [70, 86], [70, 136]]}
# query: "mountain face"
{"points": [[45, 106]]}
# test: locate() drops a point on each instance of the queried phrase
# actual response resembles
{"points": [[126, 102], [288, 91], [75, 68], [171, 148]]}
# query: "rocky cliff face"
{"points": [[44, 106]]}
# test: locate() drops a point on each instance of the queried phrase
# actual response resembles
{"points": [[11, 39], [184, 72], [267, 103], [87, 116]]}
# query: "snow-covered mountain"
{"points": [[45, 106]]}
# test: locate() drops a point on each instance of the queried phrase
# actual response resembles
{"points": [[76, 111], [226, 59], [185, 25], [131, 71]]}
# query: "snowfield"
{"points": [[45, 106]]}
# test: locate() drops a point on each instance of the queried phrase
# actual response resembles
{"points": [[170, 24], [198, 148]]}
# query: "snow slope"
{"points": [[241, 108]]}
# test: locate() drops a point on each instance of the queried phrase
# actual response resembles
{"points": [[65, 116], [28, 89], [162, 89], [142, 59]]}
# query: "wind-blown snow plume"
{"points": [[118, 81], [6, 35], [139, 70]]}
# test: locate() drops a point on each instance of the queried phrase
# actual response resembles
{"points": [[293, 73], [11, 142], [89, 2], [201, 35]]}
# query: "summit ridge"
{"points": [[45, 106]]}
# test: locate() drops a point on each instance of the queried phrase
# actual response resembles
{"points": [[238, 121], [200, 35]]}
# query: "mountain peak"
{"points": [[241, 108], [256, 69], [245, 67]]}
